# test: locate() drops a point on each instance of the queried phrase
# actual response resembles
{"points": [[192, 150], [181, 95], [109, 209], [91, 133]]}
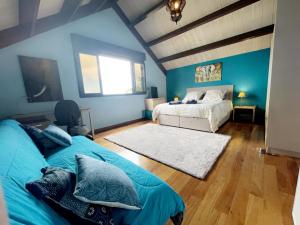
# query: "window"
{"points": [[116, 75], [105, 69], [90, 76], [139, 77], [106, 75]]}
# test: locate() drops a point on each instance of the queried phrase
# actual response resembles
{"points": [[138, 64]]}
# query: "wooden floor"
{"points": [[244, 187]]}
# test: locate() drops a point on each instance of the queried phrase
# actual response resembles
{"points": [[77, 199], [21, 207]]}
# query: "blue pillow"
{"points": [[42, 142], [102, 183], [56, 188], [58, 135]]}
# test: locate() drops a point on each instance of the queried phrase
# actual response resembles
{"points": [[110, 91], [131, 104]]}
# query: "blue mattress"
{"points": [[21, 162]]}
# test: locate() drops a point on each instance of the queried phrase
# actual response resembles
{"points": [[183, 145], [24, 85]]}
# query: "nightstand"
{"points": [[150, 104], [245, 107]]}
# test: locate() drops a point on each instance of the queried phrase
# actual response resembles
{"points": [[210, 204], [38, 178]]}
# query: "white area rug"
{"points": [[193, 152]]}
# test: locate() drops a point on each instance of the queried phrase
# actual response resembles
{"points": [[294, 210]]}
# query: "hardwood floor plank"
{"points": [[272, 201], [243, 188], [254, 209], [287, 202], [222, 219], [192, 204]]}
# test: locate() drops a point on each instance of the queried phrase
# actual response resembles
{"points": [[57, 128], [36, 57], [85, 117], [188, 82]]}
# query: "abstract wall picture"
{"points": [[41, 79], [208, 73]]}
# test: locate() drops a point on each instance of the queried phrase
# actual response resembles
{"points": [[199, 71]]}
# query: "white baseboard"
{"points": [[283, 152]]}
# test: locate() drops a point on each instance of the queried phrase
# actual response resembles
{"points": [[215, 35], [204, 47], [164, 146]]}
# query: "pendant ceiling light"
{"points": [[175, 7]]}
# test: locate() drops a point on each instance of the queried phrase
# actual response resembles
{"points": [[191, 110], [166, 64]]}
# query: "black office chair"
{"points": [[67, 113]]}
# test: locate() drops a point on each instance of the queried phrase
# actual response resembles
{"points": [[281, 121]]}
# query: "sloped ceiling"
{"points": [[21, 19], [8, 14], [157, 23]]}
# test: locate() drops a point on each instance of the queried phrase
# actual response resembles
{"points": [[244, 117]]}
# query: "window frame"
{"points": [[112, 54]]}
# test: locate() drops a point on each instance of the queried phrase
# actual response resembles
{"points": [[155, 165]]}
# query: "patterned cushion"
{"points": [[102, 183], [56, 189], [41, 141], [58, 135]]}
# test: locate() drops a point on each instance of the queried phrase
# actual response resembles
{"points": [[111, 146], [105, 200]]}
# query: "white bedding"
{"points": [[214, 111]]}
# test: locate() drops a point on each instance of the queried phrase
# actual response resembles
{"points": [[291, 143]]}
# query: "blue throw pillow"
{"points": [[42, 142], [58, 135], [101, 183], [56, 188]]}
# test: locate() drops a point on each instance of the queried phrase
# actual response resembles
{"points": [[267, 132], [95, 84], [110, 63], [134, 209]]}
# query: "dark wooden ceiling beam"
{"points": [[28, 11], [93, 7], [228, 41], [69, 9], [13, 35], [48, 23], [102, 5], [126, 21], [21, 32], [144, 15], [206, 19]]}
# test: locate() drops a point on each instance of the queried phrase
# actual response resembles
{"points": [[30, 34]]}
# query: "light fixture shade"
{"points": [[242, 94], [175, 7]]}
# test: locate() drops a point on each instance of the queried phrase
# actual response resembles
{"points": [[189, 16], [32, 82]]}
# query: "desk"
{"points": [[43, 119]]}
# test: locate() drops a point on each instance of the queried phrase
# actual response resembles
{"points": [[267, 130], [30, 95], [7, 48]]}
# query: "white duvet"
{"points": [[214, 111]]}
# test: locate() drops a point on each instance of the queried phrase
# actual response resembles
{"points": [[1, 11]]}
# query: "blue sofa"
{"points": [[21, 162]]}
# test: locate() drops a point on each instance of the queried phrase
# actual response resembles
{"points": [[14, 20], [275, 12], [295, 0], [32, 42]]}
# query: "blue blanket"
{"points": [[21, 162]]}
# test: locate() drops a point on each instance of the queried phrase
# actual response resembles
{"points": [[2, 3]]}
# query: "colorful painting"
{"points": [[208, 73]]}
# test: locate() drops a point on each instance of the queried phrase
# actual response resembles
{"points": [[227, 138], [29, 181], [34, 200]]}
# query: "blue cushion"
{"points": [[20, 163], [42, 142], [99, 182], [158, 200], [58, 135], [56, 189]]}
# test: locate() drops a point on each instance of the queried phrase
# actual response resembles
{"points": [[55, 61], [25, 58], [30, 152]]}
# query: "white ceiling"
{"points": [[134, 8], [48, 8], [252, 17], [8, 13], [158, 23], [229, 50], [84, 2], [238, 22]]}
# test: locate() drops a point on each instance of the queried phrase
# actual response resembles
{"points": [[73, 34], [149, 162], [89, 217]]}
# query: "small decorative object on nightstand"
{"points": [[244, 107], [150, 104], [176, 98]]}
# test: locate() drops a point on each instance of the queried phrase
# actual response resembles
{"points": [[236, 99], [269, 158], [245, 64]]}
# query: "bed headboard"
{"points": [[228, 88]]}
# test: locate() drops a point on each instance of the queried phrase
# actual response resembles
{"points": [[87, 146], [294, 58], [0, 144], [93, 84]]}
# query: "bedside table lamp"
{"points": [[176, 98], [241, 96]]}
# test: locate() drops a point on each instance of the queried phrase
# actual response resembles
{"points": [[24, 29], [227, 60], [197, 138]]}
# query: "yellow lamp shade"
{"points": [[242, 94]]}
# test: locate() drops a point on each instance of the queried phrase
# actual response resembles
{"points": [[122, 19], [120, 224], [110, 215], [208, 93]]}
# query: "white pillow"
{"points": [[214, 95], [193, 95]]}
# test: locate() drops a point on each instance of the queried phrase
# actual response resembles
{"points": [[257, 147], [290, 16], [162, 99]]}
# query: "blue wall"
{"points": [[56, 44], [247, 72]]}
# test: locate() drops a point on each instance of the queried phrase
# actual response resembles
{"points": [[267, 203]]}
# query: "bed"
{"points": [[208, 116], [21, 162]]}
